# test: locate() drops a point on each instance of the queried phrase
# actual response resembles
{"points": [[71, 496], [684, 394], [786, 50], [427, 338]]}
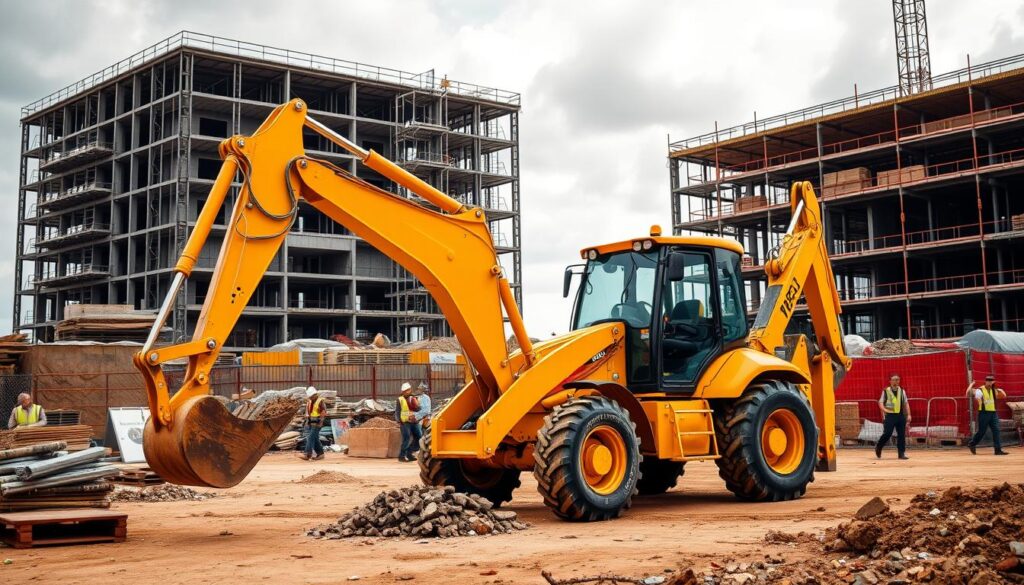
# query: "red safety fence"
{"points": [[936, 384]]}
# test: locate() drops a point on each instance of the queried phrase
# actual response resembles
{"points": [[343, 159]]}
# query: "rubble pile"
{"points": [[422, 511], [267, 408], [887, 346], [379, 422], [161, 493], [324, 476]]}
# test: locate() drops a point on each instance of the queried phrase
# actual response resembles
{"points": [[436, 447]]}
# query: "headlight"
{"points": [[636, 246], [592, 254], [648, 244]]}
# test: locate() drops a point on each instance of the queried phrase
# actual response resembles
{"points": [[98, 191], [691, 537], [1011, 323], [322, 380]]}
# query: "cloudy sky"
{"points": [[603, 83]]}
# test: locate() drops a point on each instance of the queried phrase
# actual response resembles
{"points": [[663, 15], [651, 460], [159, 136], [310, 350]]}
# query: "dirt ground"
{"points": [[254, 533]]}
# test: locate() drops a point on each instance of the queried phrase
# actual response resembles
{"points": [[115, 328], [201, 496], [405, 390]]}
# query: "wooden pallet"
{"points": [[138, 477], [945, 442], [54, 527]]}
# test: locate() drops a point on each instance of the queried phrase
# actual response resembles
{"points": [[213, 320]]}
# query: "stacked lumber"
{"points": [[11, 348], [848, 181], [754, 202], [901, 175], [43, 475], [287, 441], [351, 357], [104, 323], [76, 437], [1017, 222]]}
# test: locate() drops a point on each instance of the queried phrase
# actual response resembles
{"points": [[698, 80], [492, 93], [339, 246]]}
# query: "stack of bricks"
{"points": [[848, 181], [1017, 222], [847, 420]]}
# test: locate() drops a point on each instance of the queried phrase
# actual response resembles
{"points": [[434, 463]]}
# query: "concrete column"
{"points": [[871, 227]]}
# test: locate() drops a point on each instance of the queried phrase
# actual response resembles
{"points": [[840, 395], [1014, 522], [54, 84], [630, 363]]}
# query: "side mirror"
{"points": [[676, 266], [566, 282]]}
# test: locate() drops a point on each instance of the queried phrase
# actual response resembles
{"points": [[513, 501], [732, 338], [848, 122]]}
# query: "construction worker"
{"points": [[316, 413], [27, 414], [405, 412], [896, 413], [988, 419], [423, 394]]}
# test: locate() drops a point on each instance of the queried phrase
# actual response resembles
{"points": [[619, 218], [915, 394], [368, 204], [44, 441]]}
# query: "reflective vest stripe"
{"points": [[988, 399], [893, 400], [29, 417], [405, 410]]}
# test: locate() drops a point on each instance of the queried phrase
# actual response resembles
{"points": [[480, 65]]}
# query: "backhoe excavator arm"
{"points": [[450, 251], [801, 266]]}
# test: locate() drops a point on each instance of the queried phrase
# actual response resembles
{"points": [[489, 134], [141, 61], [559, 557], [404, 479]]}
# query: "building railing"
{"points": [[956, 330], [934, 172], [72, 270], [974, 72], [317, 304], [916, 238], [187, 39], [58, 156], [932, 285], [71, 192], [74, 230], [436, 158]]}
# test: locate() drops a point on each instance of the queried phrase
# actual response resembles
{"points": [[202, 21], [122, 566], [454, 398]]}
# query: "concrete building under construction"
{"points": [[923, 199], [115, 168]]}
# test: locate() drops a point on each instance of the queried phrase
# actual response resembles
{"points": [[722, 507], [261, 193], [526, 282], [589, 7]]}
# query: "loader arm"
{"points": [[801, 266], [188, 440]]}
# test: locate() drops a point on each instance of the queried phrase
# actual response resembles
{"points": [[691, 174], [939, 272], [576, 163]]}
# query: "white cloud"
{"points": [[603, 83]]}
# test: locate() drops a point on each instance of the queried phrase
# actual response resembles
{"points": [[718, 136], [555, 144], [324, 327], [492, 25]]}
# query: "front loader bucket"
{"points": [[205, 445]]}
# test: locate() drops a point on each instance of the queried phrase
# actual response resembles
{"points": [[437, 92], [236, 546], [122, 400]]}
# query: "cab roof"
{"points": [[695, 241]]}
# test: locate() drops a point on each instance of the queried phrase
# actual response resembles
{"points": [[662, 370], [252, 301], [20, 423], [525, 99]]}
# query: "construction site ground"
{"points": [[254, 533]]}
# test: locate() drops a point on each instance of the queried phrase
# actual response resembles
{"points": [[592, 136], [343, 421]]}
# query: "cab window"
{"points": [[689, 307]]}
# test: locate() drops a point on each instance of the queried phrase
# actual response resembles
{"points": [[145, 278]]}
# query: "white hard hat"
{"points": [[406, 386], [310, 391]]}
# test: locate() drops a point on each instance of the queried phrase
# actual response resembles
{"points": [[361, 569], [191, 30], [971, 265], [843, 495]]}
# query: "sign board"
{"points": [[437, 357], [124, 427], [339, 429]]}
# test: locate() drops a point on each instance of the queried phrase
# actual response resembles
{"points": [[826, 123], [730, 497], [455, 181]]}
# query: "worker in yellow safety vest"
{"points": [[316, 413], [406, 409], [988, 419], [896, 414], [27, 414]]}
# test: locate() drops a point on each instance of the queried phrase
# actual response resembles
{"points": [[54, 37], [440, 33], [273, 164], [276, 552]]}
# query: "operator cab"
{"points": [[681, 300]]}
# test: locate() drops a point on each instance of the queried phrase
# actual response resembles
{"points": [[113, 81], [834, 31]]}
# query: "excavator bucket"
{"points": [[205, 445]]}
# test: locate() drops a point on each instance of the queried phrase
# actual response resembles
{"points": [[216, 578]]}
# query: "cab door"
{"points": [[702, 314]]}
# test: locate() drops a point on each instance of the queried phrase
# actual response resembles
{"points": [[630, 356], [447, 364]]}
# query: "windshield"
{"points": [[619, 287]]}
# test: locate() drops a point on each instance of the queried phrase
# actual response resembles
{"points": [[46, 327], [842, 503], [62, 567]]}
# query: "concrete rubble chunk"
{"points": [[872, 508], [422, 512]]}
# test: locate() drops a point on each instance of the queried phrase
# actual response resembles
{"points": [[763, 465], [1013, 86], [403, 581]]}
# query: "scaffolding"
{"points": [[115, 168], [906, 184]]}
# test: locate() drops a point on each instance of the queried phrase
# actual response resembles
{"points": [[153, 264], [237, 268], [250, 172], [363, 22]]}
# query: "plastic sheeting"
{"points": [[993, 341]]}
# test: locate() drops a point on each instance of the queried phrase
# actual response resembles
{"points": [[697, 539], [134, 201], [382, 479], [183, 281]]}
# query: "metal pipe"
{"points": [[71, 477], [336, 138], [33, 450], [515, 319], [165, 312], [796, 216], [51, 466]]}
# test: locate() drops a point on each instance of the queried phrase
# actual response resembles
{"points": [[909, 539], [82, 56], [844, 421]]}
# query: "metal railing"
{"points": [[221, 45], [72, 270], [74, 190], [975, 73]]}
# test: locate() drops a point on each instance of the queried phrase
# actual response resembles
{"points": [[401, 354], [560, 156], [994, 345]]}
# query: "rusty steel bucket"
{"points": [[207, 446]]}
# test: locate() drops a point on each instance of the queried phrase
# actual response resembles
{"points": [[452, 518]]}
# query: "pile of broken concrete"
{"points": [[161, 493], [422, 511]]}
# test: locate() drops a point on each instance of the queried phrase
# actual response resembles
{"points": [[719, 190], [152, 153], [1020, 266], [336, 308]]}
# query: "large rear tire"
{"points": [[587, 459], [768, 441], [657, 476], [466, 475]]}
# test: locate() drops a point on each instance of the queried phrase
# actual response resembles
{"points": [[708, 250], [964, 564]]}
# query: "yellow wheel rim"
{"points": [[782, 441], [603, 460]]}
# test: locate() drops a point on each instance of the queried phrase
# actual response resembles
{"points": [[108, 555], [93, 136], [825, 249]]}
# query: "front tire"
{"points": [[466, 475], [768, 442], [587, 459]]}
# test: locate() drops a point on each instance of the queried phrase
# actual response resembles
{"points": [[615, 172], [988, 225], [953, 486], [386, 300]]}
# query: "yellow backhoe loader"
{"points": [[660, 368]]}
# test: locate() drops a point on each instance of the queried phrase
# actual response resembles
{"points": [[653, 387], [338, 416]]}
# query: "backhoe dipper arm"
{"points": [[450, 251], [802, 266]]}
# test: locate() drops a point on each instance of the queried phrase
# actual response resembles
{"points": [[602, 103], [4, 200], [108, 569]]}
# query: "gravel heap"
{"points": [[422, 511], [324, 476], [167, 492]]}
